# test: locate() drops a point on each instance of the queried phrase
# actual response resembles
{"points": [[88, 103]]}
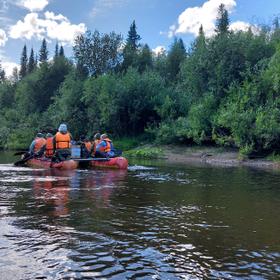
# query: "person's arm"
{"points": [[101, 144], [32, 147], [54, 144], [42, 150]]}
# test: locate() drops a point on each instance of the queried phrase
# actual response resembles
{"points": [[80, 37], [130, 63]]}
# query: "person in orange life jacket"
{"points": [[105, 148], [62, 143], [36, 147], [48, 147], [85, 147], [96, 141]]}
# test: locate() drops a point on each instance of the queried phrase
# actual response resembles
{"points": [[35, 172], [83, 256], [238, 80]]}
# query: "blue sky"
{"points": [[158, 21]]}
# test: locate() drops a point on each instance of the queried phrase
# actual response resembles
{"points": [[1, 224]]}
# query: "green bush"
{"points": [[146, 153]]}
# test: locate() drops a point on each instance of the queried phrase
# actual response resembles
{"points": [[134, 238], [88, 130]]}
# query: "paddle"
{"points": [[90, 159], [20, 153], [24, 160]]}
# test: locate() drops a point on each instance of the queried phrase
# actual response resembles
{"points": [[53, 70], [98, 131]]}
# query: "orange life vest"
{"points": [[88, 145], [62, 140], [39, 143], [49, 147], [107, 148]]}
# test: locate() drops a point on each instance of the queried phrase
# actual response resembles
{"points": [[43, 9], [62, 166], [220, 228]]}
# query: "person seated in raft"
{"points": [[85, 147], [105, 148], [62, 143], [48, 148], [36, 147], [96, 141]]}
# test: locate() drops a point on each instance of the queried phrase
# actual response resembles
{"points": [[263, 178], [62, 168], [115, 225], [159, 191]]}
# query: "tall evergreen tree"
{"points": [[133, 37], [43, 53], [36, 60], [131, 47], [56, 50], [31, 62], [61, 51], [2, 74], [275, 37], [23, 63], [200, 40], [222, 24], [145, 59], [176, 56]]}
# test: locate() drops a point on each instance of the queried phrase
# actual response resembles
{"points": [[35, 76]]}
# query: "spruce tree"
{"points": [[43, 53], [133, 37], [200, 41], [31, 62], [222, 24], [61, 51], [131, 47], [56, 50], [176, 56], [145, 59], [23, 63], [2, 74]]}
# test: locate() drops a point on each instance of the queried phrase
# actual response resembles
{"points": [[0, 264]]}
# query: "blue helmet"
{"points": [[62, 128]]}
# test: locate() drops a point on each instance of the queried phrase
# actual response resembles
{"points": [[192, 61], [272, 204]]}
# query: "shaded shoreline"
{"points": [[213, 156]]}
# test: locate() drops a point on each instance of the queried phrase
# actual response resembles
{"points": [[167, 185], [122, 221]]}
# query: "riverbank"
{"points": [[217, 156]]}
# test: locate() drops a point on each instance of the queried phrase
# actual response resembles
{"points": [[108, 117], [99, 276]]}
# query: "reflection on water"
{"points": [[150, 222]]}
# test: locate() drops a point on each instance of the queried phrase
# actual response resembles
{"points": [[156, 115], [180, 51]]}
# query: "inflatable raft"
{"points": [[46, 163], [116, 163]]}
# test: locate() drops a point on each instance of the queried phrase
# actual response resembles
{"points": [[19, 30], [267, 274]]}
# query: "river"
{"points": [[154, 221]]}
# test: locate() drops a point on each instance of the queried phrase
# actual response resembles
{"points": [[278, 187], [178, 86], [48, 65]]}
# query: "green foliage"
{"points": [[133, 37], [2, 75], [175, 57], [43, 53], [31, 62], [170, 132], [145, 60], [200, 119], [224, 90], [274, 157], [23, 63], [146, 153], [127, 143], [97, 52], [222, 25]]}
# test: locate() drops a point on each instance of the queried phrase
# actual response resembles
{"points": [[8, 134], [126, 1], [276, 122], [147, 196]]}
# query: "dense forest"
{"points": [[223, 90]]}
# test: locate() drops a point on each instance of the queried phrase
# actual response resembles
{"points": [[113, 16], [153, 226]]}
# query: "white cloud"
{"points": [[34, 5], [240, 26], [56, 27], [9, 67], [30, 27], [192, 18], [102, 6], [3, 38], [52, 16], [159, 50]]}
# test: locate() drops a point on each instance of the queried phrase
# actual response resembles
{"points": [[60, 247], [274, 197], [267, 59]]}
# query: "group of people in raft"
{"points": [[58, 146]]}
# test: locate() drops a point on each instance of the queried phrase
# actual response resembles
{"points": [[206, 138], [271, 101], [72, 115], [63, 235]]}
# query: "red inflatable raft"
{"points": [[116, 163], [46, 163]]}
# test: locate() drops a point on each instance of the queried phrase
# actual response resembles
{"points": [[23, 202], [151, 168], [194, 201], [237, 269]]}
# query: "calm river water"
{"points": [[155, 221]]}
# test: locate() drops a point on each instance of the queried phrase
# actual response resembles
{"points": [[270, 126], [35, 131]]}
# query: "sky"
{"points": [[158, 21]]}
